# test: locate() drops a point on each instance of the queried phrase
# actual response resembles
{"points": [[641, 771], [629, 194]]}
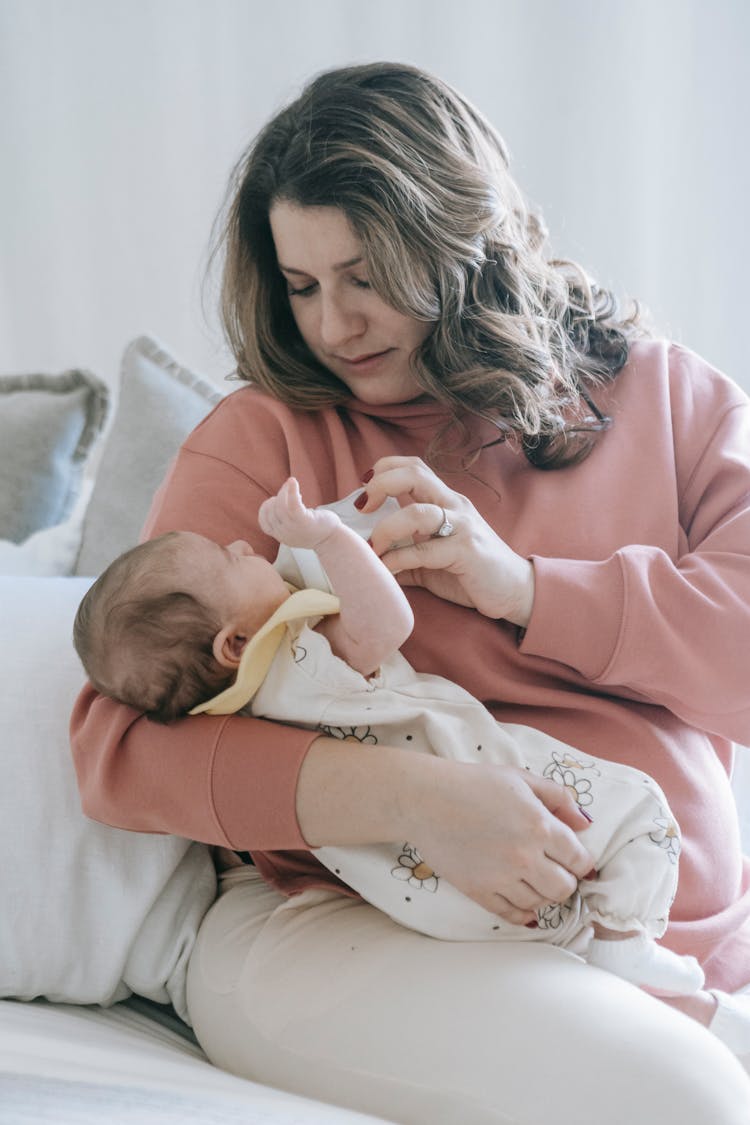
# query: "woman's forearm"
{"points": [[489, 830], [358, 794]]}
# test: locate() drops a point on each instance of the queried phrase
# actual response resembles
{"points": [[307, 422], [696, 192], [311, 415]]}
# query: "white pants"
{"points": [[326, 996]]}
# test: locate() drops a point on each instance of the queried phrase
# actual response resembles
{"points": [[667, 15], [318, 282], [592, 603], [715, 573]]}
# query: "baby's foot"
{"points": [[640, 960]]}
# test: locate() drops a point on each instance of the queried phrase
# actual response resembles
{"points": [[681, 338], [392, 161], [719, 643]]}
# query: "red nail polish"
{"points": [[361, 500], [583, 812], [593, 873], [368, 476], [531, 925]]}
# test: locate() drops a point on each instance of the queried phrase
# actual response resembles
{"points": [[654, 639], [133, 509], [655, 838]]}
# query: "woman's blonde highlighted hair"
{"points": [[423, 178]]}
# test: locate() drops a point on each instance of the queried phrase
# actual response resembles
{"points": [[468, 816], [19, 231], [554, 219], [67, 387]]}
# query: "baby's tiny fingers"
{"points": [[291, 487]]}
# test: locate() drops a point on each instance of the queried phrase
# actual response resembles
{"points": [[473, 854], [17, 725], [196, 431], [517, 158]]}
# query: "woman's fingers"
{"points": [[564, 847], [545, 880], [408, 478], [413, 525], [471, 566], [519, 902], [526, 898], [553, 882], [506, 910]]}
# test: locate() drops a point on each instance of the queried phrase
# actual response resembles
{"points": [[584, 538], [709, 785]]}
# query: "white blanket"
{"points": [[63, 1064]]}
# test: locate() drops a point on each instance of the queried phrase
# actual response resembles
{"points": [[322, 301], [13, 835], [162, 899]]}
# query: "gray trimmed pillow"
{"points": [[160, 402], [48, 427]]}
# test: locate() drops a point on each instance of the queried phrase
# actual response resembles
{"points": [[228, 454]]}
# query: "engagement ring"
{"points": [[446, 528]]}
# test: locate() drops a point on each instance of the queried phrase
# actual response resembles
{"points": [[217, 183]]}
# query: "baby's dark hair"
{"points": [[145, 642]]}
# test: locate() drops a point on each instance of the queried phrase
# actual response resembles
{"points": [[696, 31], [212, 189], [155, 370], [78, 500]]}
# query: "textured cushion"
{"points": [[89, 913], [48, 426], [160, 402]]}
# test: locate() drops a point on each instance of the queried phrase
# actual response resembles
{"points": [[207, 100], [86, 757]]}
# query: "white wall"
{"points": [[119, 122]]}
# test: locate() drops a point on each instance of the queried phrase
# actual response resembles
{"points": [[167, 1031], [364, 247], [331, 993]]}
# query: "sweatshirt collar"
{"points": [[420, 413]]}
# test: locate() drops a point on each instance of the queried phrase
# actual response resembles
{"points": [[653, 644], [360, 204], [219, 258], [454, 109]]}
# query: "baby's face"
{"points": [[243, 588]]}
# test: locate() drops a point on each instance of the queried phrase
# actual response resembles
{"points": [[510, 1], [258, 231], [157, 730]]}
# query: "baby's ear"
{"points": [[228, 646]]}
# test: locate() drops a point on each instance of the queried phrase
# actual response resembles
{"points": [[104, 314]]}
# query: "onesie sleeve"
{"points": [[673, 630], [222, 780]]}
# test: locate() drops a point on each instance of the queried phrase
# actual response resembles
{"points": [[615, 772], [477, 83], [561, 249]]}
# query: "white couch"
{"points": [[97, 924]]}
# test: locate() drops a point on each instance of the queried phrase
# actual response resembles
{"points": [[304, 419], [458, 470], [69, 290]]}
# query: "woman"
{"points": [[387, 293]]}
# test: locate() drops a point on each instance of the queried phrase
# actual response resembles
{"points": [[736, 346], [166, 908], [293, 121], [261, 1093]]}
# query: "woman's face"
{"points": [[345, 324]]}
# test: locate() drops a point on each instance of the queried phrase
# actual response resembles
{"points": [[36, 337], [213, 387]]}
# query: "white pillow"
{"points": [[89, 913]]}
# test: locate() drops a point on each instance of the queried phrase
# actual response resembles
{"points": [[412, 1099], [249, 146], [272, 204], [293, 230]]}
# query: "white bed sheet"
{"points": [[71, 1065]]}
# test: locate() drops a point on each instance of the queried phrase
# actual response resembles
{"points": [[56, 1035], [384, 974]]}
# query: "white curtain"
{"points": [[119, 123]]}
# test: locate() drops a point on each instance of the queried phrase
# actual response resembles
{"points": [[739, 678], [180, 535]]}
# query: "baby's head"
{"points": [[163, 628]]}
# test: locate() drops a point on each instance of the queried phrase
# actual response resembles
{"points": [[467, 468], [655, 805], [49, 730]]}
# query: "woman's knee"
{"points": [[658, 1065]]}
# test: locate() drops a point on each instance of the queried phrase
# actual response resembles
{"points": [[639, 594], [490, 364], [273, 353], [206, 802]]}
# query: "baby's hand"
{"points": [[286, 518]]}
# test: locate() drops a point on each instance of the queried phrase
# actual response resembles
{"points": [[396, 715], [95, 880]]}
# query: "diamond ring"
{"points": [[446, 528]]}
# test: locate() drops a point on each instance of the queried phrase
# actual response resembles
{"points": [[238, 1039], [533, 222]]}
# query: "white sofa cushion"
{"points": [[89, 913]]}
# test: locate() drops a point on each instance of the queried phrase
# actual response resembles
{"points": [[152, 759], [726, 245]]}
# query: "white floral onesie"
{"points": [[289, 673], [633, 839]]}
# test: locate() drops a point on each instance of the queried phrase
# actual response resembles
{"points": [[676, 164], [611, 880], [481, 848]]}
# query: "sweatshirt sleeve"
{"points": [[221, 780], [673, 631]]}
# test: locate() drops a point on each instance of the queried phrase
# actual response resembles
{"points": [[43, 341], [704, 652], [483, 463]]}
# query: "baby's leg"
{"points": [[635, 842]]}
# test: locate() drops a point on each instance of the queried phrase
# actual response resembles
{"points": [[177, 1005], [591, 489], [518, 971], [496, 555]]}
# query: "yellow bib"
{"points": [[260, 650]]}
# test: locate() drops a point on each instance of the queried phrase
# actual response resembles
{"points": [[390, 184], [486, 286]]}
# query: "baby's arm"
{"points": [[375, 617]]}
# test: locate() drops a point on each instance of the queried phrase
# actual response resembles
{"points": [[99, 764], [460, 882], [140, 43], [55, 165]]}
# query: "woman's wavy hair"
{"points": [[517, 339]]}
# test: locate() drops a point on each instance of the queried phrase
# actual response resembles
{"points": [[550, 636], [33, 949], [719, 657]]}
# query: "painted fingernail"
{"points": [[593, 873], [583, 812], [368, 476], [531, 925], [361, 500]]}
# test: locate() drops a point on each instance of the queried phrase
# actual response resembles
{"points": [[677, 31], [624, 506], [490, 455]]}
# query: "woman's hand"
{"points": [[503, 837], [471, 566]]}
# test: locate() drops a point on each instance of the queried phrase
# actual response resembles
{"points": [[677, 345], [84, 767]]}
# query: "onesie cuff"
{"points": [[577, 614]]}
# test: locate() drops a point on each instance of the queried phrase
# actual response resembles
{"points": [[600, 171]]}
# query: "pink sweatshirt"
{"points": [[637, 648]]}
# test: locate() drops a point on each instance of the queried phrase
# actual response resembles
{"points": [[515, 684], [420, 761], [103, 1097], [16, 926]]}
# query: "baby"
{"points": [[181, 625]]}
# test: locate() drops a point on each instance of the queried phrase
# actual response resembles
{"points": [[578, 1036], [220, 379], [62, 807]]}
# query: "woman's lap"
{"points": [[324, 996]]}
